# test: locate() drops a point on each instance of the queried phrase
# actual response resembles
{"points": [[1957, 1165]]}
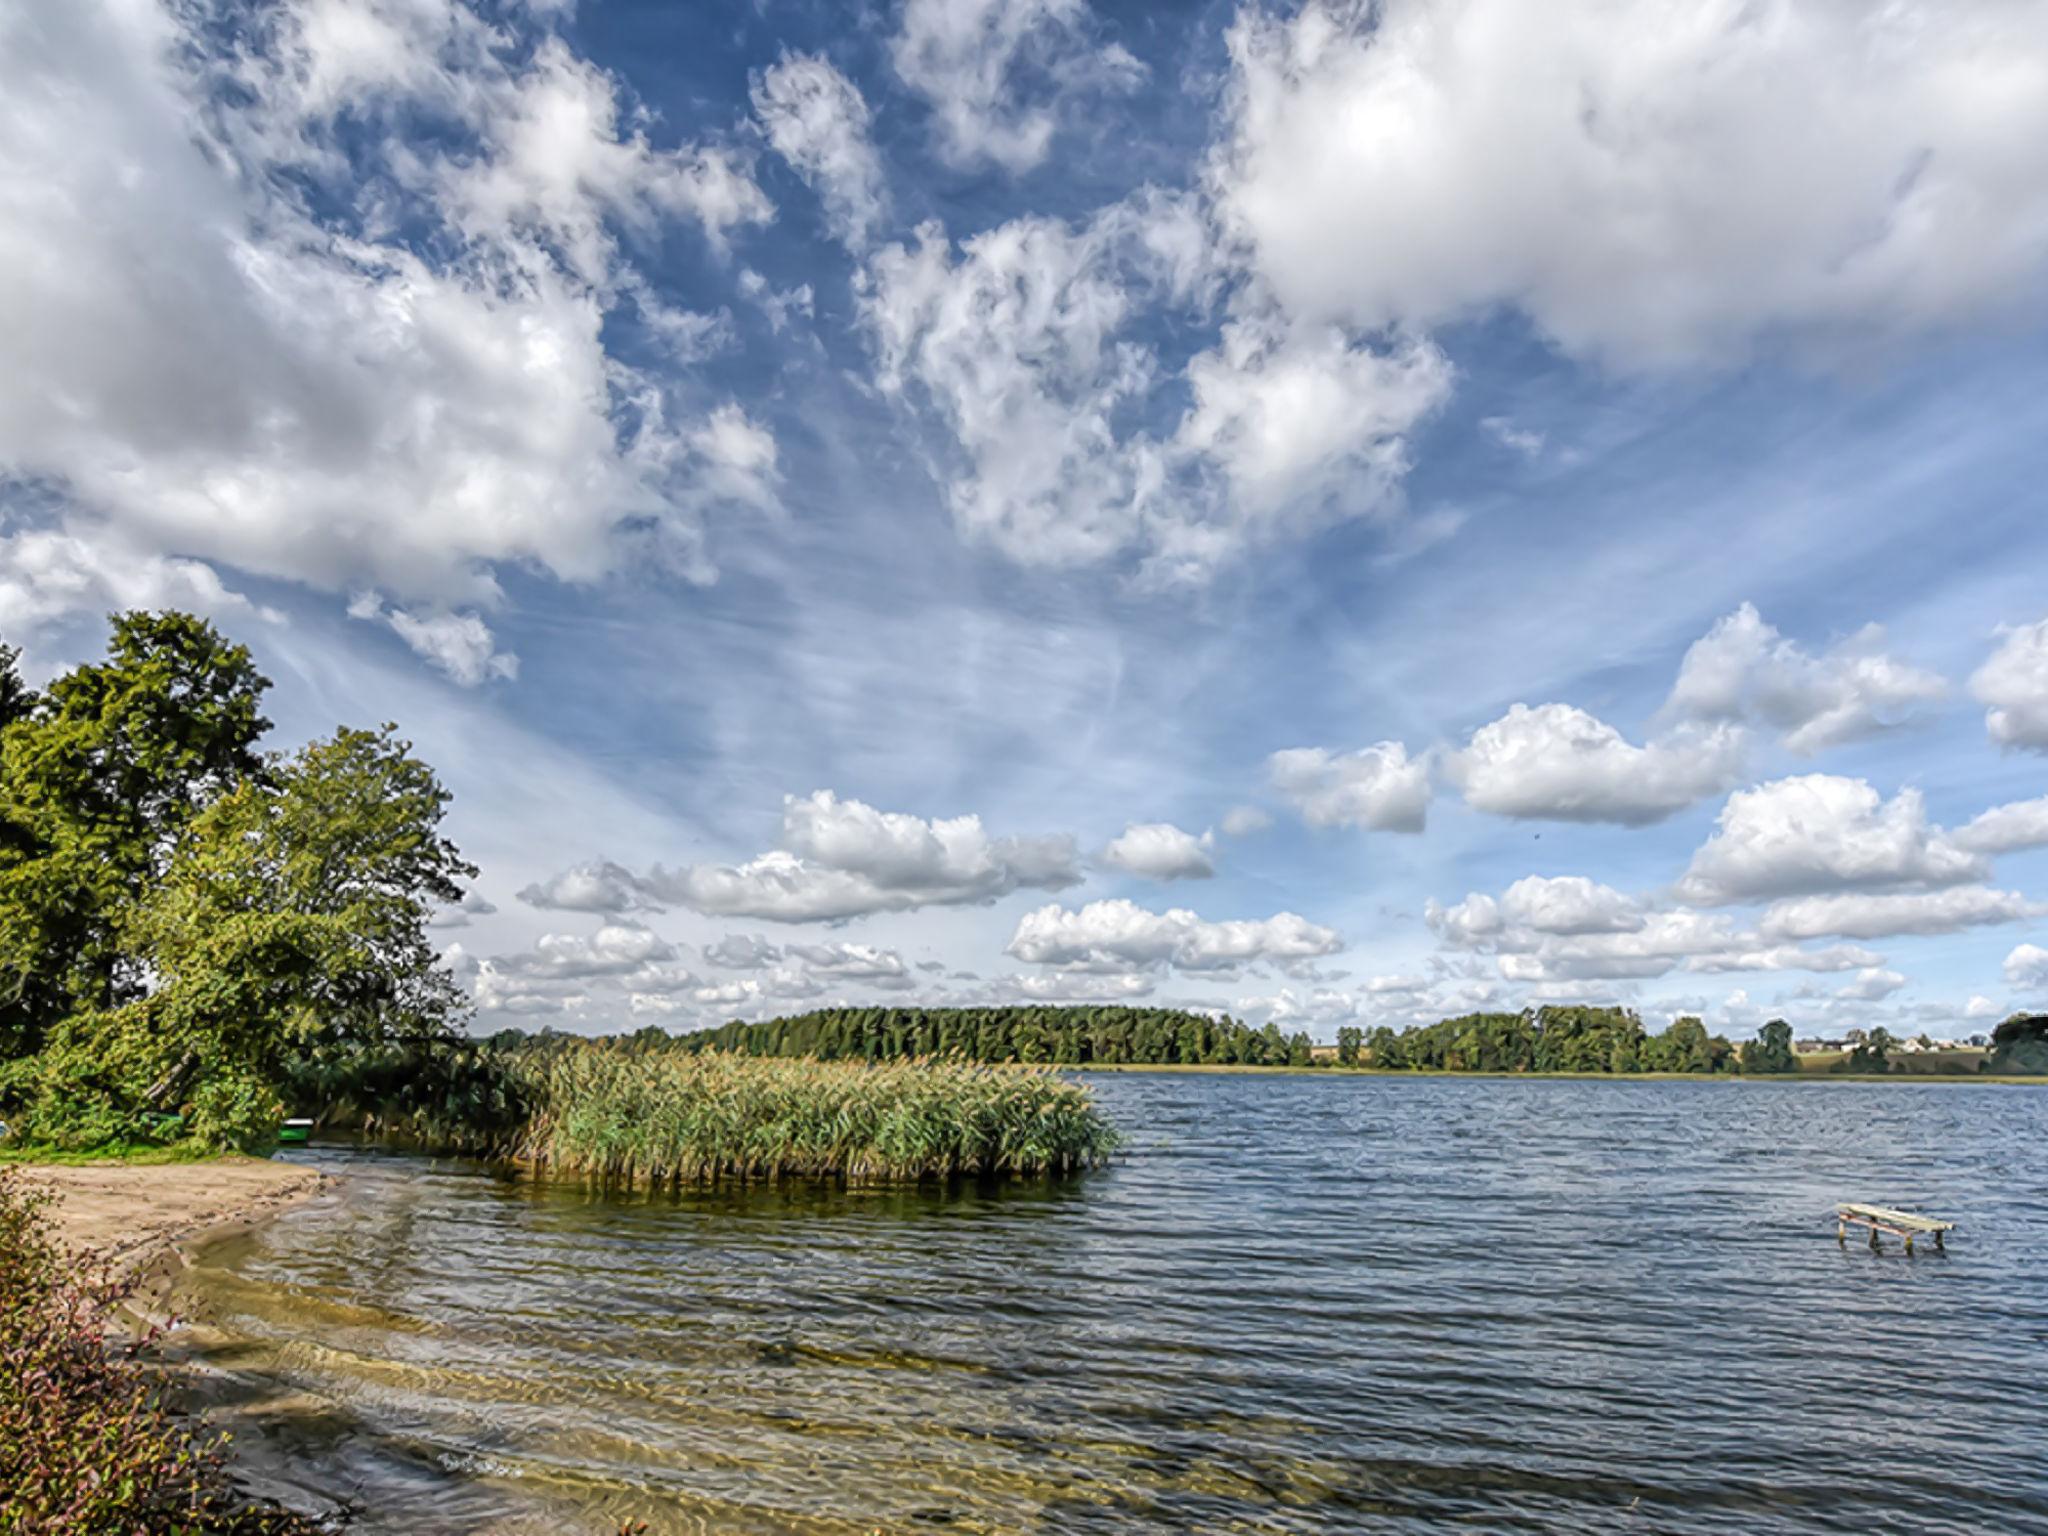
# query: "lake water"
{"points": [[1297, 1303]]}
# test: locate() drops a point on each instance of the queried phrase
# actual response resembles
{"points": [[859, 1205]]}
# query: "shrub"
{"points": [[89, 1442]]}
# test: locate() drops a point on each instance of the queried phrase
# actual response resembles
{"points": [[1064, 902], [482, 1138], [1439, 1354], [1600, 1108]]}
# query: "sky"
{"points": [[1339, 513]]}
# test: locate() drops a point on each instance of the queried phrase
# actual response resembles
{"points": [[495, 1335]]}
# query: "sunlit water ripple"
{"points": [[1295, 1304]]}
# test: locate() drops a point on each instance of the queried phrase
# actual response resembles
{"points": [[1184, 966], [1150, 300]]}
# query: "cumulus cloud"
{"points": [[742, 952], [598, 886], [1378, 787], [1650, 189], [1021, 343], [460, 644], [2006, 828], [1545, 930], [2027, 966], [1558, 763], [854, 962], [1871, 986], [817, 120], [1243, 820], [973, 61], [562, 972], [2013, 685], [1118, 935], [1744, 670], [220, 350], [1158, 850], [1292, 416], [1863, 915], [838, 859], [48, 574], [1817, 834]]}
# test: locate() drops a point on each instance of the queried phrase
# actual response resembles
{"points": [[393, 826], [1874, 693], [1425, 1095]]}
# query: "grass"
{"points": [[142, 1152], [676, 1117]]}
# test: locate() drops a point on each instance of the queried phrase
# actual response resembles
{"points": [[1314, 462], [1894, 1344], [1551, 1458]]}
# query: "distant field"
{"points": [[1917, 1064]]}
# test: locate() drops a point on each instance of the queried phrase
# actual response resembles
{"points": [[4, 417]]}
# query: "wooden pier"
{"points": [[1879, 1218]]}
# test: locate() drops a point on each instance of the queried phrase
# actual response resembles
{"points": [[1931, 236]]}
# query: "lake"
{"points": [[1296, 1303]]}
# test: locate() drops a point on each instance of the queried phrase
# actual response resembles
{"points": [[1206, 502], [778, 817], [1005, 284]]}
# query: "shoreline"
{"points": [[2009, 1079], [150, 1220]]}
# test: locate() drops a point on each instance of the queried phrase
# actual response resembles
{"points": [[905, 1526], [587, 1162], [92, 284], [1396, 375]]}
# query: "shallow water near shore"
{"points": [[1312, 1303]]}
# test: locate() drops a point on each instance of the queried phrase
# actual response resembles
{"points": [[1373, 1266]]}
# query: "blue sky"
{"points": [[1342, 514]]}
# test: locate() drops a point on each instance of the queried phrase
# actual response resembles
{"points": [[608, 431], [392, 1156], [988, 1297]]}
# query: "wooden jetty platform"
{"points": [[1880, 1218]]}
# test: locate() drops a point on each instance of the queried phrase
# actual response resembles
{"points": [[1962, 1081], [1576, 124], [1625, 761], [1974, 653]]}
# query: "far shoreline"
{"points": [[1224, 1068]]}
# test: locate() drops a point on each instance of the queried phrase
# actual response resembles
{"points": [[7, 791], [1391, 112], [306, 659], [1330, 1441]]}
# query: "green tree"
{"points": [[1771, 1050], [291, 917], [1349, 1038], [2019, 1045], [98, 779], [1872, 1053]]}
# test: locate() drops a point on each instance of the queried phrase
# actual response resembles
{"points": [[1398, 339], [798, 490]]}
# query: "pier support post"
{"points": [[1909, 1245], [1842, 1234], [1875, 1245]]}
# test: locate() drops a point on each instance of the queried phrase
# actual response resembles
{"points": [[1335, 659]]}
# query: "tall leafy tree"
{"points": [[290, 918], [98, 778]]}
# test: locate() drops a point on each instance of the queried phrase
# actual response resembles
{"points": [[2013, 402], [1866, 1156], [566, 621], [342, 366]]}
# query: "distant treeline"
{"points": [[1551, 1039], [1556, 1038], [1072, 1036]]}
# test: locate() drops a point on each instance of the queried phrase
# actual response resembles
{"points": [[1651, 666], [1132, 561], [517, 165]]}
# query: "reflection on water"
{"points": [[1297, 1304]]}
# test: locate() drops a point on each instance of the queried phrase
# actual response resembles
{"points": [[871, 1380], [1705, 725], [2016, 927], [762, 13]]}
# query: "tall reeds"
{"points": [[682, 1117]]}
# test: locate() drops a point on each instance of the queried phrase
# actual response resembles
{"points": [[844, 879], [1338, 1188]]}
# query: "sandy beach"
{"points": [[135, 1213]]}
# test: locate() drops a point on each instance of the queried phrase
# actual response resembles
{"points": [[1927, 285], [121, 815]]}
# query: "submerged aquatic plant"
{"points": [[670, 1117]]}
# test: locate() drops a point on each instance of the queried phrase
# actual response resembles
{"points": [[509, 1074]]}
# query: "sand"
{"points": [[136, 1214]]}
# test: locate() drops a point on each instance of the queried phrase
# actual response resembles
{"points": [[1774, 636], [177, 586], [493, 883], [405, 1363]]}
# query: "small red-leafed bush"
{"points": [[90, 1445]]}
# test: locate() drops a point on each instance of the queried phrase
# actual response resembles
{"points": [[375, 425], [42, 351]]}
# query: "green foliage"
{"points": [[1074, 1036], [1771, 1050], [88, 1440], [1349, 1039], [2020, 1045], [182, 920], [1551, 1039], [637, 1117], [98, 779], [1871, 1054]]}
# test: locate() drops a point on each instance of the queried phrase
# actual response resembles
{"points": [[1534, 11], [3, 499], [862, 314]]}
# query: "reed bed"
{"points": [[682, 1117]]}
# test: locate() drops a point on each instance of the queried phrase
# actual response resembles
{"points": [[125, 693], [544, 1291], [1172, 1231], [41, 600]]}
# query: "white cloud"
{"points": [[742, 952], [48, 574], [206, 368], [1649, 187], [1158, 850], [1294, 417], [1555, 762], [1862, 915], [2014, 686], [968, 58], [1569, 904], [1568, 928], [616, 949], [2006, 828], [1379, 787], [1119, 935], [1743, 669], [599, 886], [1243, 820], [1020, 344], [1980, 1007], [838, 859], [853, 962], [2027, 966], [1528, 443], [1817, 834], [817, 120], [1871, 986], [460, 644]]}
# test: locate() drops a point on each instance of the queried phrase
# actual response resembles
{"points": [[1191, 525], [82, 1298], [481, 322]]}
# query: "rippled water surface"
{"points": [[1296, 1304]]}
